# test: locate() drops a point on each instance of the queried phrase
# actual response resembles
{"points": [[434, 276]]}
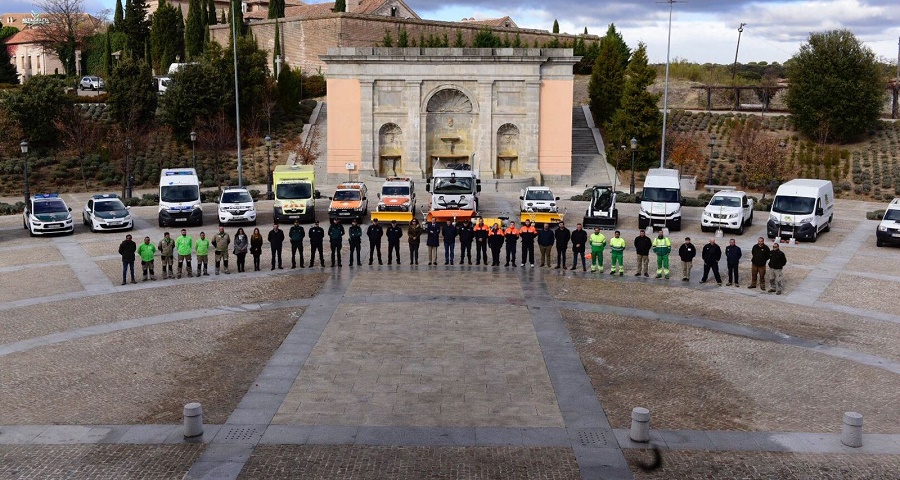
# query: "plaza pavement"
{"points": [[472, 372]]}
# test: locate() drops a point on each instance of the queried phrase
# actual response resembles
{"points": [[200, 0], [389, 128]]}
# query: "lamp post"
{"points": [[194, 150], [129, 178], [633, 150], [268, 168], [712, 145], [24, 147], [662, 150]]}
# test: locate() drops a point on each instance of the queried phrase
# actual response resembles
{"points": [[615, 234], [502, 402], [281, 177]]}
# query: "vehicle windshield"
{"points": [[725, 202], [293, 191], [346, 195], [665, 195], [892, 215], [109, 206], [236, 197], [50, 206], [454, 186], [179, 193], [793, 205], [539, 195], [394, 191]]}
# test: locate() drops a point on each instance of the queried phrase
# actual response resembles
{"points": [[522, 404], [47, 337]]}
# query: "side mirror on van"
{"points": [[819, 212], [521, 197], [317, 194], [378, 195]]}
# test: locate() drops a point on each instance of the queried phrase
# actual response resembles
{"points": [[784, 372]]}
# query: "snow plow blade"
{"points": [[457, 216], [387, 217], [540, 218]]}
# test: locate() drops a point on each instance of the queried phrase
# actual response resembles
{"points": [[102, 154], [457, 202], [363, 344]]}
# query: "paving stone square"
{"points": [[860, 292], [436, 282], [111, 462], [436, 364], [19, 284], [25, 256]]}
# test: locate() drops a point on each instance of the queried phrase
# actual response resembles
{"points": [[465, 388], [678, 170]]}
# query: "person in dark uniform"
{"points": [[449, 233], [562, 236], [527, 233], [466, 235], [432, 240], [413, 233], [276, 239], [394, 234], [316, 242], [126, 250], [375, 232], [511, 234], [579, 240], [355, 241], [495, 241], [481, 241], [297, 233], [335, 237]]}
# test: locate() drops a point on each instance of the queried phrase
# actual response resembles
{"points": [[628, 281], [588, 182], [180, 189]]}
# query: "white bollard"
{"points": [[193, 420], [851, 434], [640, 424]]}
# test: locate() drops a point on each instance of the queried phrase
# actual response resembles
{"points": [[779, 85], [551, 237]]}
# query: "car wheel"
{"points": [[31, 232], [815, 236], [879, 243], [161, 225], [91, 227], [750, 220], [828, 225], [740, 230]]}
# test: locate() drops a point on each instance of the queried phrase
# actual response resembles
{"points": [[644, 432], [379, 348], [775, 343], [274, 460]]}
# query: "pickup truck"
{"points": [[731, 210]]}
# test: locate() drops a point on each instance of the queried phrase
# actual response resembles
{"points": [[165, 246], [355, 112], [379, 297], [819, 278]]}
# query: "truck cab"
{"points": [[350, 202], [179, 197], [888, 231], [397, 200], [539, 205], [731, 210], [802, 208], [295, 194], [661, 200], [454, 194]]}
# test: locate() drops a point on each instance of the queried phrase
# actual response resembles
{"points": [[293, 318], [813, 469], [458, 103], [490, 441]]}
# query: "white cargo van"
{"points": [[802, 208], [661, 200], [179, 197]]}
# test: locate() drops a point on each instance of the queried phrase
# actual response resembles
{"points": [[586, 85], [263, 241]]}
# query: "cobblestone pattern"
{"points": [[477, 284], [110, 245], [409, 463], [424, 365], [144, 375], [861, 292], [885, 261], [765, 465], [690, 378], [26, 256], [162, 462], [170, 295], [38, 282], [742, 307]]}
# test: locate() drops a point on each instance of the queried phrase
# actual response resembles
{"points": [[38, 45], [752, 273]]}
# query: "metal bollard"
{"points": [[640, 424], [851, 434], [193, 420]]}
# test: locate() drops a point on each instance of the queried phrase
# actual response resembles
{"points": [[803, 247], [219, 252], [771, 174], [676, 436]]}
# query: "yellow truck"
{"points": [[295, 193], [539, 205], [397, 201]]}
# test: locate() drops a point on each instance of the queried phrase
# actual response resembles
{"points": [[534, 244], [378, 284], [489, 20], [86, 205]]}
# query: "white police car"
{"points": [[236, 206], [47, 213], [106, 212]]}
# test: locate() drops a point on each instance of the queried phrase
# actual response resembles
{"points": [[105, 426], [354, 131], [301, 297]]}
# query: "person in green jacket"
{"points": [[202, 246], [662, 247], [598, 243], [617, 254], [335, 234], [146, 251], [184, 246]]}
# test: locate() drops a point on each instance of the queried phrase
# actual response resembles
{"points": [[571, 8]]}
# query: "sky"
{"points": [[703, 31]]}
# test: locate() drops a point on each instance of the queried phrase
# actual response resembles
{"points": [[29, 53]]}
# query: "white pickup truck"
{"points": [[728, 210]]}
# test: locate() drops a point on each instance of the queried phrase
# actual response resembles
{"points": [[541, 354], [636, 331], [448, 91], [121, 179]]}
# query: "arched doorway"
{"points": [[507, 151], [449, 129], [390, 150]]}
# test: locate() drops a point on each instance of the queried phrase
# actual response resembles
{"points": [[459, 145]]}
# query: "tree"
{"points": [[107, 55], [194, 31], [607, 81], [217, 134], [252, 72], [276, 9], [197, 91], [276, 51], [8, 73], [7, 31], [619, 42], [166, 42], [237, 18], [403, 38], [66, 29], [764, 163], [290, 91], [639, 115], [131, 103], [485, 38], [459, 42], [136, 27], [555, 26], [836, 87], [685, 153], [211, 12], [80, 135], [388, 40], [35, 107], [118, 17]]}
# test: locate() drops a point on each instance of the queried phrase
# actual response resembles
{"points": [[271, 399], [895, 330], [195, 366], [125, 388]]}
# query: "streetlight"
{"points": [[712, 145], [633, 150], [129, 177], [24, 147], [194, 150], [268, 168], [662, 151]]}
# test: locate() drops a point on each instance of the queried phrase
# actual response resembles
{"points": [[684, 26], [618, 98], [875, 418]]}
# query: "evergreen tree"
{"points": [[8, 73], [194, 31], [585, 31], [486, 39], [388, 40], [459, 42], [607, 82], [211, 12], [118, 17], [180, 40], [340, 6], [555, 26], [517, 42], [624, 51], [238, 17], [277, 50], [107, 55], [164, 37], [276, 9], [639, 116], [403, 38], [136, 26]]}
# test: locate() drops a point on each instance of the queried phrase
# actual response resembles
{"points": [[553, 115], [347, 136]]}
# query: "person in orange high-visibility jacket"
{"points": [[495, 240], [511, 233], [527, 233], [481, 241]]}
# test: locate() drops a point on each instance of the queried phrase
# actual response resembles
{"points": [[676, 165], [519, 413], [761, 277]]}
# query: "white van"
{"points": [[179, 197], [661, 200], [802, 208]]}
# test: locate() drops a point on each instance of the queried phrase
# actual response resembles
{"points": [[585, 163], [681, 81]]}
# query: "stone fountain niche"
{"points": [[507, 151], [450, 126], [390, 150]]}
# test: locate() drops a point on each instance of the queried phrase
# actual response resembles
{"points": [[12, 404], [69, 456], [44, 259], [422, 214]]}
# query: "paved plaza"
{"points": [[413, 372]]}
